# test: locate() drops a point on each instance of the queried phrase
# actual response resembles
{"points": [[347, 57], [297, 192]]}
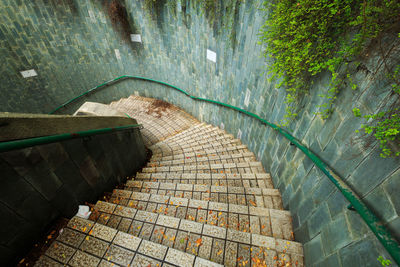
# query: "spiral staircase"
{"points": [[202, 200]]}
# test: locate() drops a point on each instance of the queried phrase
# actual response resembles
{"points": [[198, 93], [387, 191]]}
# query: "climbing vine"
{"points": [[385, 126], [305, 38], [383, 261]]}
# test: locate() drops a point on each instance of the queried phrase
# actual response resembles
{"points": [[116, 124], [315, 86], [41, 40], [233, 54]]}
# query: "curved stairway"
{"points": [[202, 200]]}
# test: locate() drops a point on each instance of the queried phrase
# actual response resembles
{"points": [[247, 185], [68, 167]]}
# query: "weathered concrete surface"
{"points": [[19, 126], [97, 109]]}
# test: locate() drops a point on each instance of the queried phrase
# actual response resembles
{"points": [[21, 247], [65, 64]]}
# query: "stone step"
{"points": [[261, 180], [221, 153], [216, 159], [197, 133], [218, 244], [205, 167], [196, 145], [158, 125], [156, 113], [195, 141], [251, 196], [86, 243], [166, 150], [277, 223], [204, 151], [200, 135]]}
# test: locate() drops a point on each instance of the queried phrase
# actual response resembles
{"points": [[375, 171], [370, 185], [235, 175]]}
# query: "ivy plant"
{"points": [[305, 38], [385, 125], [383, 261]]}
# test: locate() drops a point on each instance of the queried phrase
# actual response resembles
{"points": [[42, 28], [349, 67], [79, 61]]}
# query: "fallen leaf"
{"points": [[199, 242]]}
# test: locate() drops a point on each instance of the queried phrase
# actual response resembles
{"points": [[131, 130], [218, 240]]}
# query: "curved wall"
{"points": [[71, 44]]}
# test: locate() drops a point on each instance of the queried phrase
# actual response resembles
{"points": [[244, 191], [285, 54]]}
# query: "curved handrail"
{"points": [[377, 227], [29, 142]]}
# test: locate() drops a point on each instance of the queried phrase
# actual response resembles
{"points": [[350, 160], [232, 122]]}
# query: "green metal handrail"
{"points": [[377, 227], [29, 142]]}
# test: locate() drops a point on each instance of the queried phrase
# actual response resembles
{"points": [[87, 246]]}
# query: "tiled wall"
{"points": [[41, 183], [71, 45]]}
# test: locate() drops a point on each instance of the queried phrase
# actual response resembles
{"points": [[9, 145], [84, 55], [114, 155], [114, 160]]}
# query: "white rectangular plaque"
{"points": [[211, 55], [92, 16], [103, 18], [117, 54], [28, 73], [239, 134], [247, 98], [136, 38]]}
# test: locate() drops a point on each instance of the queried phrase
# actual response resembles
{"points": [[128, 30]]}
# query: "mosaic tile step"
{"points": [[86, 243], [271, 222], [196, 238], [261, 180], [251, 196]]}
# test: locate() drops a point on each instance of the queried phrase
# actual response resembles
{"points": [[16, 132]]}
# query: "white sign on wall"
{"points": [[28, 73], [103, 18], [136, 38], [222, 126], [211, 55], [92, 16], [239, 134], [247, 98], [117, 54]]}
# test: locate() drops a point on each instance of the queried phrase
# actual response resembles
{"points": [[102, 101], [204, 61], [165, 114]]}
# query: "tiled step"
{"points": [[197, 134], [224, 139], [160, 130], [167, 150], [261, 180], [221, 153], [146, 108], [215, 159], [218, 244], [158, 125], [206, 150], [208, 133], [86, 243], [205, 167], [196, 146], [251, 196], [277, 223]]}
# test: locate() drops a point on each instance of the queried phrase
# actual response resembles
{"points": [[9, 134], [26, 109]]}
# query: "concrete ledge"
{"points": [[15, 126], [97, 109]]}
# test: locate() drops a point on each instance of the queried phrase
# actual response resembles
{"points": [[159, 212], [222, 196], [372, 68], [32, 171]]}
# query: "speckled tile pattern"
{"points": [[203, 199], [123, 250], [83, 259], [94, 246], [160, 120], [60, 251]]}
